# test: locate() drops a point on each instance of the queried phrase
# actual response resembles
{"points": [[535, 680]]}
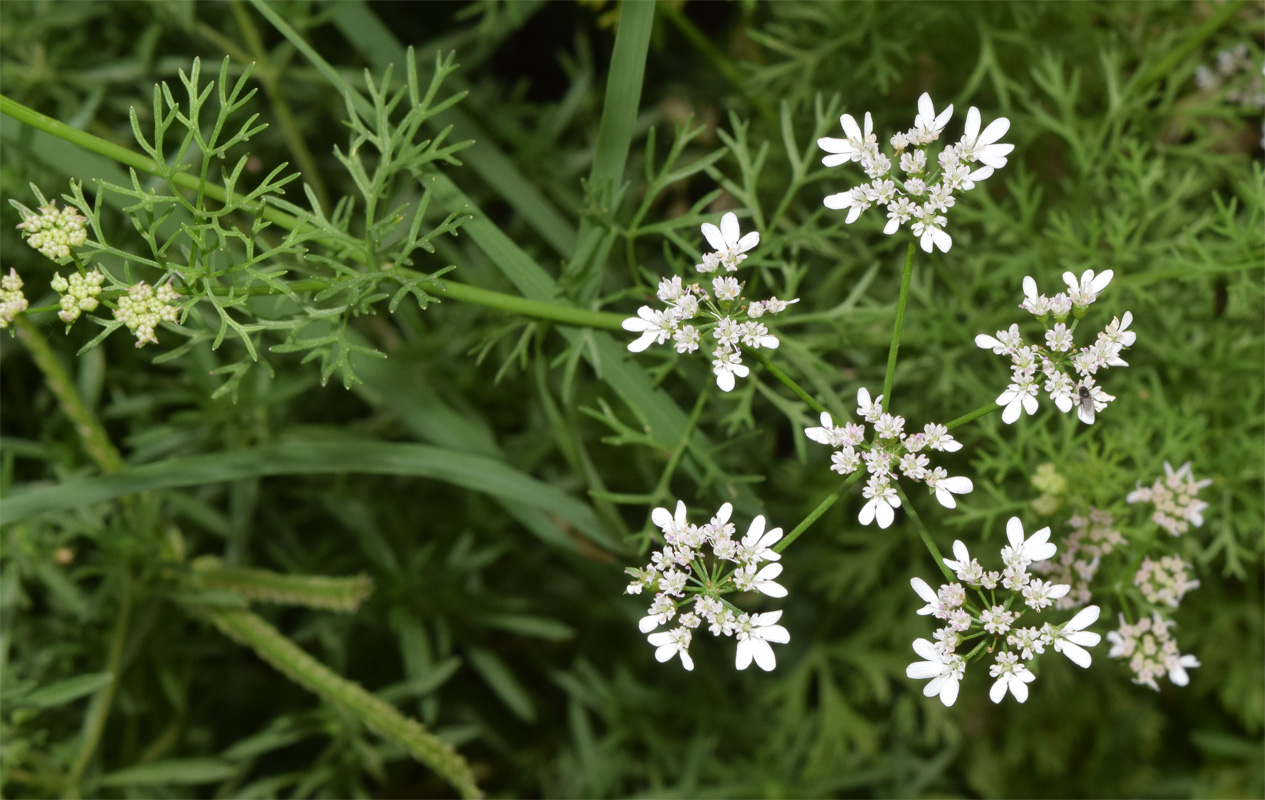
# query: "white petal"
{"points": [[986, 342], [775, 633], [1085, 617], [999, 688], [1012, 410], [665, 653], [712, 233], [648, 624], [1019, 689], [764, 658], [972, 127], [1014, 532], [958, 484], [949, 693], [850, 127], [884, 514], [838, 201], [686, 661], [834, 145], [995, 130], [1100, 281], [926, 649], [924, 591], [729, 228], [1075, 653], [725, 380], [1086, 415], [749, 241], [755, 531], [743, 658], [661, 517], [867, 513]]}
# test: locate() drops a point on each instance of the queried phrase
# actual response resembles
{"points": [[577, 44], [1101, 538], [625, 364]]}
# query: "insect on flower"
{"points": [[1086, 401]]}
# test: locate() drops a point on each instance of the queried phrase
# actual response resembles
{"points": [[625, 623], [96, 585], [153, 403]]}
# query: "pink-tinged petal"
{"points": [[713, 236], [729, 228]]}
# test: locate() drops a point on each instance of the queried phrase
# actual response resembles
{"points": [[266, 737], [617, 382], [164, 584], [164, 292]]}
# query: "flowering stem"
{"points": [[924, 533], [555, 312], [821, 508], [972, 415], [784, 378], [900, 321]]}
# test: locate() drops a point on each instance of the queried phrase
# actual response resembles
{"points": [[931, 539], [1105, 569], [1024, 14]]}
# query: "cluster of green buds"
{"points": [[78, 293], [53, 231], [12, 301], [143, 307]]}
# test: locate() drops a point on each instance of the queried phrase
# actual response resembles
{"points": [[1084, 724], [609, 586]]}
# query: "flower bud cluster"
{"points": [[1030, 363], [891, 451], [731, 320], [697, 565], [1174, 496], [12, 301], [998, 620], [1165, 581], [53, 231], [78, 293], [917, 193], [1151, 650], [143, 307], [1092, 537]]}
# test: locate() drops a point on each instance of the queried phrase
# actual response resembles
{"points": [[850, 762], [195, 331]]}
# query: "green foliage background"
{"points": [[494, 473]]}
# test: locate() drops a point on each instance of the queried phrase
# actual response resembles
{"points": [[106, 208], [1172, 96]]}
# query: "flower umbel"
{"points": [[998, 618], [892, 451], [1031, 363], [1151, 650], [693, 311], [12, 301], [78, 293], [143, 307], [683, 574], [917, 194], [53, 231], [1174, 496]]}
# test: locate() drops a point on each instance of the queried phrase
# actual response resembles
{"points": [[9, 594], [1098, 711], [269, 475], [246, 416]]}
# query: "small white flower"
{"points": [[1177, 669], [655, 328], [1072, 638], [1039, 594], [850, 149], [748, 580], [671, 643], [946, 487], [927, 124], [933, 606], [726, 365], [982, 147], [930, 232], [967, 569], [870, 411], [944, 671], [754, 633], [758, 544], [882, 500], [728, 240], [1023, 552], [1011, 675], [1019, 396]]}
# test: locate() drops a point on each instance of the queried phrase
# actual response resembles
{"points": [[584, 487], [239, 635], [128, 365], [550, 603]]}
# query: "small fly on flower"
{"points": [[1086, 401]]}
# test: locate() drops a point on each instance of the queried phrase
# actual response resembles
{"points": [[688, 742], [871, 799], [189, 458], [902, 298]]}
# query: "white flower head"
{"points": [[655, 327], [1011, 676], [728, 240], [983, 147], [757, 545], [671, 643], [1023, 552], [1072, 638]]}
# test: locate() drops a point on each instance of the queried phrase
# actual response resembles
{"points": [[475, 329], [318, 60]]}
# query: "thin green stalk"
{"points": [[784, 378], [972, 415], [95, 440], [900, 322], [269, 74], [555, 312], [99, 709], [922, 531], [297, 665], [821, 508]]}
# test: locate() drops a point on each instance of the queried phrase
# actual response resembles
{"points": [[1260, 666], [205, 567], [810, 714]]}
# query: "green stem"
{"points": [[821, 508], [972, 415], [900, 322], [95, 440], [555, 312], [923, 532], [296, 664], [99, 709], [784, 378]]}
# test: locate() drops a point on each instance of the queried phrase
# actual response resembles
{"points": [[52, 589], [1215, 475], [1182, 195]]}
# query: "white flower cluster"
{"points": [[917, 193], [1092, 537], [1151, 650], [682, 573], [892, 449], [1165, 581], [1230, 64], [78, 293], [1174, 498], [143, 307], [53, 231], [12, 301], [734, 321], [1051, 360], [944, 667]]}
